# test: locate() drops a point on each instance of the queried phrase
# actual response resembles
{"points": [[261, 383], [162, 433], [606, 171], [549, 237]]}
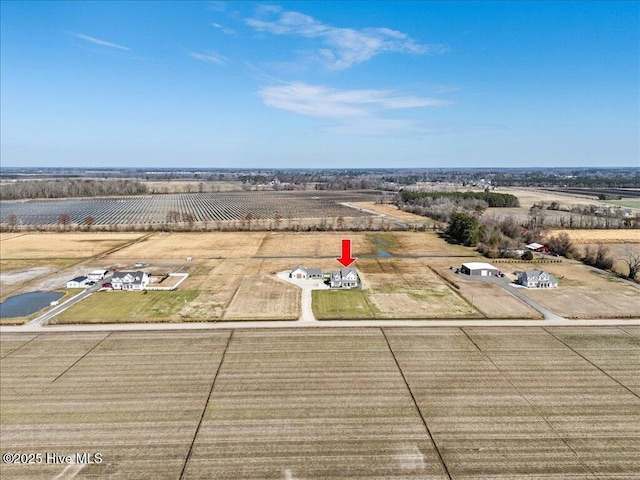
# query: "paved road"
{"points": [[44, 318], [322, 324]]}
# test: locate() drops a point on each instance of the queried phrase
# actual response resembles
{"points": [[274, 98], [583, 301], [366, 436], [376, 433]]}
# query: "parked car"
{"points": [[91, 283], [107, 286]]}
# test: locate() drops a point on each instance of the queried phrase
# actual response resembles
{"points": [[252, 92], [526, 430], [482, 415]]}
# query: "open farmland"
{"points": [[422, 295], [490, 300], [411, 403], [205, 207], [34, 246], [196, 245], [264, 297], [584, 292]]}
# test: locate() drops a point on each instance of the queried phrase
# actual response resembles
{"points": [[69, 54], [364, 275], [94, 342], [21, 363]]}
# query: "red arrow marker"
{"points": [[346, 259]]}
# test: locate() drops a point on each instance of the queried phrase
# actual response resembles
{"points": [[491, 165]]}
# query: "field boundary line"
{"points": [[531, 405], [120, 247], [233, 297], [18, 348], [628, 333], [204, 410], [86, 353], [415, 404], [590, 362], [451, 286]]}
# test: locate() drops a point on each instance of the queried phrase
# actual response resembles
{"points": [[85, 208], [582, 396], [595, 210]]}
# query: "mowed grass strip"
{"points": [[341, 304], [115, 307]]}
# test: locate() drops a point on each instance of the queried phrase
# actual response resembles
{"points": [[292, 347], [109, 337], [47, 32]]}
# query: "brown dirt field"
{"points": [[599, 236], [584, 292], [391, 210], [528, 197], [218, 281], [195, 245], [501, 403], [312, 244], [414, 296], [491, 300], [426, 243], [262, 297], [61, 245]]}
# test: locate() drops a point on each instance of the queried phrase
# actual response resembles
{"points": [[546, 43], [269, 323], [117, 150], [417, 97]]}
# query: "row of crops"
{"points": [[201, 207]]}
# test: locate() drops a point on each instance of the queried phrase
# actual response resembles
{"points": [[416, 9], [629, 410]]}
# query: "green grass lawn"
{"points": [[113, 307], [628, 202], [341, 304]]}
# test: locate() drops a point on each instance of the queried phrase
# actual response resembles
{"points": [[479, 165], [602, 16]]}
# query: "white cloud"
{"points": [[97, 41], [342, 47], [223, 29], [210, 57], [216, 6], [321, 101]]}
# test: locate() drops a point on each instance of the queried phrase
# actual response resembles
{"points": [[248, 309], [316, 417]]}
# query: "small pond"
{"points": [[27, 303]]}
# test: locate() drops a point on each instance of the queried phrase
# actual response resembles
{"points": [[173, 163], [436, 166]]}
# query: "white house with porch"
{"points": [[130, 280], [344, 278], [537, 279]]}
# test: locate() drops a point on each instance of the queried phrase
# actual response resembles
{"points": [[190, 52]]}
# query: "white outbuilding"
{"points": [[78, 282], [480, 269], [96, 275]]}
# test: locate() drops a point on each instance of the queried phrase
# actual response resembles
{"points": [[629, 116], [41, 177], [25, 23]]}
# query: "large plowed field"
{"points": [[410, 403], [203, 207]]}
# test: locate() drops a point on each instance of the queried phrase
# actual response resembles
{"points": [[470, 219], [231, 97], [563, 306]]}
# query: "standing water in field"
{"points": [[27, 303]]}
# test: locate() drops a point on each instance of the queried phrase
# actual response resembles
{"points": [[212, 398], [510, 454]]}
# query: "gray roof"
{"points": [[536, 273], [137, 276], [346, 271], [314, 271], [79, 279]]}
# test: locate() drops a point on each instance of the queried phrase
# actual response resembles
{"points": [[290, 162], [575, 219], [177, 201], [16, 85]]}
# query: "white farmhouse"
{"points": [[130, 280], [537, 279], [344, 278]]}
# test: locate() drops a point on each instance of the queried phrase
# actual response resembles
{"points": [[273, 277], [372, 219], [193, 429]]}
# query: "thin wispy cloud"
{"points": [[340, 47], [223, 29], [326, 102], [102, 43], [210, 57]]}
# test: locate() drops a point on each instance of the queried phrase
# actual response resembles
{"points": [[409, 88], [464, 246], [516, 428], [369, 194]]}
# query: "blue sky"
{"points": [[320, 84]]}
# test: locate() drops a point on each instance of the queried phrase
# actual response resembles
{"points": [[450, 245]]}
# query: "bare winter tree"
{"points": [[89, 221], [248, 218], [188, 218], [12, 221], [632, 259], [64, 220]]}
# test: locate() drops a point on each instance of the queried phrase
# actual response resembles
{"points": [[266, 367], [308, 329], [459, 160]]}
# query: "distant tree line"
{"points": [[70, 187], [492, 199]]}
